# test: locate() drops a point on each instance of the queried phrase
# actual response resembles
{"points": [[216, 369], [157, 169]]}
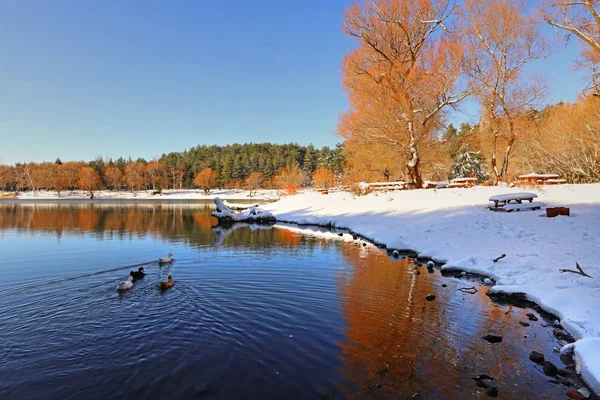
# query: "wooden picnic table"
{"points": [[501, 200], [514, 202], [542, 179]]}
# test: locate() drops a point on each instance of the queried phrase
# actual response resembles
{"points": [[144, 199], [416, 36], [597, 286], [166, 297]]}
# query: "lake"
{"points": [[255, 312]]}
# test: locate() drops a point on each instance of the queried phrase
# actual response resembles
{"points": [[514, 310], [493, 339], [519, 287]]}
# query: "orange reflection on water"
{"points": [[167, 220], [398, 345]]}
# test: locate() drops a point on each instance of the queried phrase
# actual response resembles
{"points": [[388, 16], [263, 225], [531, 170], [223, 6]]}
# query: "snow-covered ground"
{"points": [[184, 194], [453, 226]]}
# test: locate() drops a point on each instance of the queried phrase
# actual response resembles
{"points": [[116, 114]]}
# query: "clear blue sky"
{"points": [[111, 78]]}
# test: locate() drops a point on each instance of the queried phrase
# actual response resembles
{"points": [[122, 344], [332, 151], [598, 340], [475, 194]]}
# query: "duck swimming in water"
{"points": [[165, 260], [126, 285], [167, 284], [139, 274]]}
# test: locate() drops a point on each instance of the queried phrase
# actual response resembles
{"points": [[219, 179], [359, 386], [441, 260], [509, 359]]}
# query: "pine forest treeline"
{"points": [[251, 165]]}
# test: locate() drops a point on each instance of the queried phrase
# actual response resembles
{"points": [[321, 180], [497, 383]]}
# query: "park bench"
{"points": [[435, 184], [555, 181], [386, 186], [534, 205], [514, 202], [463, 182]]}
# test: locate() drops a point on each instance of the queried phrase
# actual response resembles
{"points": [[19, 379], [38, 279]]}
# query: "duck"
{"points": [[125, 285], [167, 284], [139, 274], [165, 260]]}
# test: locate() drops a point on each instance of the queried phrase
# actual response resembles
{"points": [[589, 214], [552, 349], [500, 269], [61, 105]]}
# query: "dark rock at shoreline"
{"points": [[561, 334], [565, 372], [549, 369], [482, 377], [354, 237], [565, 381], [531, 316], [481, 384], [492, 338], [536, 357], [340, 234], [557, 324], [492, 391], [430, 297], [523, 323], [364, 244]]}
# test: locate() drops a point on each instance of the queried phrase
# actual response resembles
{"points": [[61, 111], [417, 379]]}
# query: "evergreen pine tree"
{"points": [[469, 164]]}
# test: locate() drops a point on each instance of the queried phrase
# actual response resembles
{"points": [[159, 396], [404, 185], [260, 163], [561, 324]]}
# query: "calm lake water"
{"points": [[254, 313]]}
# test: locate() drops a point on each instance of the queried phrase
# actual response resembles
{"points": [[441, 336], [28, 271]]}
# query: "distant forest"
{"points": [[237, 161], [251, 166]]}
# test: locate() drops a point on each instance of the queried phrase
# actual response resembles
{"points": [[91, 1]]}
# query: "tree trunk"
{"points": [[413, 162], [386, 175], [506, 158], [494, 159]]}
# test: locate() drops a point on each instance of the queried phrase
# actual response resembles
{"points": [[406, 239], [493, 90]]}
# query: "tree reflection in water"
{"points": [[399, 345]]}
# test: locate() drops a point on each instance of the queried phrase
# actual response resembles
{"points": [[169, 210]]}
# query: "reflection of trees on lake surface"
{"points": [[187, 222], [381, 319], [398, 344], [109, 220]]}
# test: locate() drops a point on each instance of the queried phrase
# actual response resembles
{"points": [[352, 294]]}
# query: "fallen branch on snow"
{"points": [[579, 272], [499, 258]]}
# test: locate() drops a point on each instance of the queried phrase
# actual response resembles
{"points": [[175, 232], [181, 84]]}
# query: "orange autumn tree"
{"points": [[51, 176], [253, 182], [89, 180], [157, 175], [580, 19], [206, 180], [403, 76], [71, 172], [576, 156], [323, 178], [136, 175], [290, 178], [113, 177], [6, 176], [58, 178], [362, 166], [500, 41]]}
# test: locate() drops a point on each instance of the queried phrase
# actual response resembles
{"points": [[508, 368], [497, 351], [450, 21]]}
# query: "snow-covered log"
{"points": [[253, 214], [239, 207]]}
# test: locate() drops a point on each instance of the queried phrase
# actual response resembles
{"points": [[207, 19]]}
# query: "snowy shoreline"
{"points": [[261, 195], [453, 227]]}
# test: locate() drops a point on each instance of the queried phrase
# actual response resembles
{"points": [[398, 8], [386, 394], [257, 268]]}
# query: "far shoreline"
{"points": [[168, 196]]}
